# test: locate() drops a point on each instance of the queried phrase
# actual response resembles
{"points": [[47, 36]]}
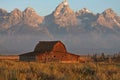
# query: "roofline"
{"points": [[50, 41], [73, 54], [25, 53]]}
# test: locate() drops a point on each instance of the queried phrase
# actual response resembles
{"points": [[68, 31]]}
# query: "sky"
{"points": [[45, 7]]}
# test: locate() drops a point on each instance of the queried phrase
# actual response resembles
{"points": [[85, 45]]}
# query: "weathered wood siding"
{"points": [[27, 58], [56, 57]]}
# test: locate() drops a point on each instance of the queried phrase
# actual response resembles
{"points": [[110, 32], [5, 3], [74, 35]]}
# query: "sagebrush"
{"points": [[11, 70]]}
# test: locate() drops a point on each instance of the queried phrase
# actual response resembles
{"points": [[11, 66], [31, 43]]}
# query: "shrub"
{"points": [[10, 70]]}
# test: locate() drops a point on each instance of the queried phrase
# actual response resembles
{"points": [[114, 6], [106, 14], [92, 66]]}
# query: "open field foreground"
{"points": [[11, 70]]}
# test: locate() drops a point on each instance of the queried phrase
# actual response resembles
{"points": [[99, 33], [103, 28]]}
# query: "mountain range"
{"points": [[82, 31]]}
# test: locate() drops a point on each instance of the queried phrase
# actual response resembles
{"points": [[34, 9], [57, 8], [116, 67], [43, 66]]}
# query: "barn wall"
{"points": [[70, 57], [56, 57], [48, 57], [27, 58]]}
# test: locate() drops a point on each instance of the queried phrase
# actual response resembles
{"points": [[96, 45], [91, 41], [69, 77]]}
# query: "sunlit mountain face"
{"points": [[81, 31]]}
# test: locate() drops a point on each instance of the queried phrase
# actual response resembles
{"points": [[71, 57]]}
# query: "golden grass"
{"points": [[11, 70]]}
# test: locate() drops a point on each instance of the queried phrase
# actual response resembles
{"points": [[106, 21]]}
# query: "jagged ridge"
{"points": [[63, 16]]}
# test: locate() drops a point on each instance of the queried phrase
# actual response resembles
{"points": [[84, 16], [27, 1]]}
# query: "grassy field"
{"points": [[11, 70]]}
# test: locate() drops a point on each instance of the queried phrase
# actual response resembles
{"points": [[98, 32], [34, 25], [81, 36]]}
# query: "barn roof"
{"points": [[46, 46], [28, 54]]}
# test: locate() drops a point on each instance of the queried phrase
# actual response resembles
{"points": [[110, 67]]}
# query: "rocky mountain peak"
{"points": [[29, 9], [109, 10], [16, 12], [65, 2], [62, 8], [29, 12], [3, 12], [108, 19], [64, 16], [83, 11], [19, 18], [109, 13], [30, 17]]}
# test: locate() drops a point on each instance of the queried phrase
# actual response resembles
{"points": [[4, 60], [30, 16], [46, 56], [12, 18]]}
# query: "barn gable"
{"points": [[50, 46]]}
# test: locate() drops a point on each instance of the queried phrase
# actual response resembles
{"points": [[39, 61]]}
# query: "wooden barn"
{"points": [[49, 51]]}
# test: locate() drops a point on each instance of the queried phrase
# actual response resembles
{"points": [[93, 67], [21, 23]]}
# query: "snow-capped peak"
{"points": [[62, 8], [65, 2], [86, 10]]}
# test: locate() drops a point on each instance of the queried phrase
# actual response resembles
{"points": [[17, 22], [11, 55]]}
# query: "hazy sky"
{"points": [[44, 7]]}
